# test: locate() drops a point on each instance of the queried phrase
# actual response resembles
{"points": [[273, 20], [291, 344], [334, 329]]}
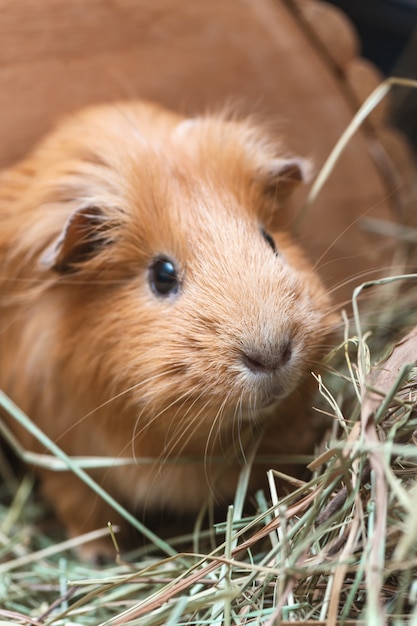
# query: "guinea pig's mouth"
{"points": [[267, 403], [267, 399], [272, 391], [261, 406]]}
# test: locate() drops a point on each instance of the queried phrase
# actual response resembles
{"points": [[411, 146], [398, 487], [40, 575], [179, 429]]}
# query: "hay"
{"points": [[340, 549]]}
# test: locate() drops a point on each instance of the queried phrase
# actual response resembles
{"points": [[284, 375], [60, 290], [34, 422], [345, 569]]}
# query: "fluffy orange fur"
{"points": [[107, 366]]}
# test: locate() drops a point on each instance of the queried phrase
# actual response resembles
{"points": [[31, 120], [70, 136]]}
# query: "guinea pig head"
{"points": [[183, 303]]}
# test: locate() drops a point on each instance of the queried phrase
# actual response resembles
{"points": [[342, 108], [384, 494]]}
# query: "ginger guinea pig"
{"points": [[152, 305]]}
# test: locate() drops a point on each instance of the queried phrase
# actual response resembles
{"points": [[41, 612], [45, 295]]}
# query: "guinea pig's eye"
{"points": [[163, 277], [269, 240]]}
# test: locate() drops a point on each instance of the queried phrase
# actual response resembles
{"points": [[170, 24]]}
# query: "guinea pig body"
{"points": [[152, 305]]}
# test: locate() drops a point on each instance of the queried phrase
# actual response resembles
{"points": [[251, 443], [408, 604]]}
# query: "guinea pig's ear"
{"points": [[82, 236], [281, 175]]}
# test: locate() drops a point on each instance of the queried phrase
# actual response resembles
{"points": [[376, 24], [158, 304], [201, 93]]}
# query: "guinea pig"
{"points": [[154, 305]]}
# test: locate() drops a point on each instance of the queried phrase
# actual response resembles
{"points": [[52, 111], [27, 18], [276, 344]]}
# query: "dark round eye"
{"points": [[163, 277], [269, 240]]}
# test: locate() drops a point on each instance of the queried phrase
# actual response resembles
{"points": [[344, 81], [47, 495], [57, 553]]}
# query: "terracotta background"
{"points": [[299, 69]]}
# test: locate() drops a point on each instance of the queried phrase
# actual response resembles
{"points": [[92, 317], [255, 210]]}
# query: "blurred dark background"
{"points": [[388, 32]]}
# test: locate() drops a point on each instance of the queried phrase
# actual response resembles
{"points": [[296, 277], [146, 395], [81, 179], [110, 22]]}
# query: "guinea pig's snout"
{"points": [[269, 360]]}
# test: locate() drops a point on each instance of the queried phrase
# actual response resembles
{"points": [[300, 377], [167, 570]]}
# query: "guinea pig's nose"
{"points": [[263, 362]]}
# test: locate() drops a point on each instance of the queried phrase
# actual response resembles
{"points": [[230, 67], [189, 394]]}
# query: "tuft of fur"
{"points": [[106, 366]]}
